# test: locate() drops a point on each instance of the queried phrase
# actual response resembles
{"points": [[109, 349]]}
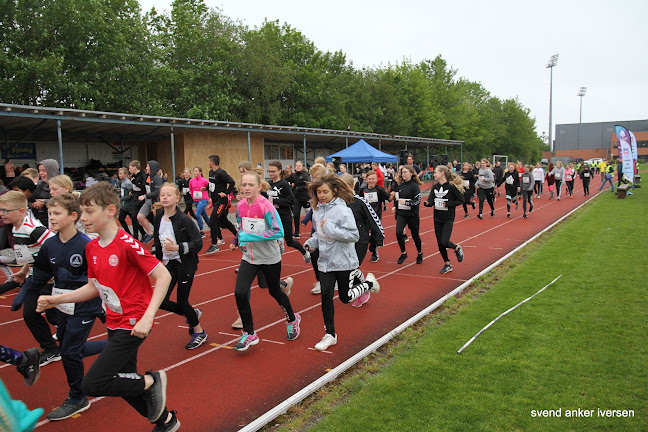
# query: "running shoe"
{"points": [[288, 287], [198, 314], [508, 215], [402, 258], [293, 328], [419, 258], [466, 216], [307, 257], [326, 342], [202, 235], [531, 207], [197, 339], [405, 237], [220, 242], [68, 409], [364, 298], [375, 257], [296, 236], [245, 341], [47, 357], [473, 204], [238, 324], [30, 367], [317, 289], [524, 215], [446, 269], [148, 238], [155, 396], [213, 248], [480, 216], [517, 206], [171, 426], [492, 213], [459, 253], [374, 282]]}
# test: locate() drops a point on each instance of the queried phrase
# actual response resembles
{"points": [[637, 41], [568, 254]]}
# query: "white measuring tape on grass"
{"points": [[495, 320]]}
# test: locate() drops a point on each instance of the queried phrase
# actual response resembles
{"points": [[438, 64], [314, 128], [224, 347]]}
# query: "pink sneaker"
{"points": [[364, 298]]}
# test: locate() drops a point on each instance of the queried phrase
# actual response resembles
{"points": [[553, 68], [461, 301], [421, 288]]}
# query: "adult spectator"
{"points": [[10, 170], [410, 161], [498, 170]]}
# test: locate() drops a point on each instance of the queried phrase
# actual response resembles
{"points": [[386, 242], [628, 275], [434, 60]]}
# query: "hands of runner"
{"points": [[45, 302], [169, 246], [142, 327]]}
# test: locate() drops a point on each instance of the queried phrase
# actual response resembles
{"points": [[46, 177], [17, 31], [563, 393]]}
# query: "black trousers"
{"points": [[137, 228], [443, 231], [526, 197], [558, 188], [122, 219], [538, 187], [184, 281], [314, 258], [245, 277], [72, 333], [286, 221], [412, 222], [189, 207], [37, 325], [586, 183], [114, 373], [351, 285], [297, 213], [485, 194], [219, 220], [361, 250]]}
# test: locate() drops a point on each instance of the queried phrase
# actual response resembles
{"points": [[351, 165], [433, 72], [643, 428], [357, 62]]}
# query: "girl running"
{"points": [[177, 243], [511, 186], [550, 180], [334, 237], [408, 198], [198, 189], [376, 196], [485, 186], [538, 178], [468, 182], [559, 175], [257, 238], [183, 184], [586, 174], [298, 180], [281, 196], [527, 184], [447, 194], [570, 173]]}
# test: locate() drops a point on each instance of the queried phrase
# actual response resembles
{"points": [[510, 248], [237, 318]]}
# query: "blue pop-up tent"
{"points": [[363, 152]]}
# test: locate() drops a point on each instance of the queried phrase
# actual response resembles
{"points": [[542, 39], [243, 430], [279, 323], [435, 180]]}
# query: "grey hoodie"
{"points": [[156, 181], [52, 168]]}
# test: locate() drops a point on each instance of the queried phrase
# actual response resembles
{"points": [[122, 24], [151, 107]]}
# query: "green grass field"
{"points": [[579, 344]]}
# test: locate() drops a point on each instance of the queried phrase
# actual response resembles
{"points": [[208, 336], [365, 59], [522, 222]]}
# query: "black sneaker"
{"points": [[68, 409], [213, 248], [419, 258], [480, 216], [446, 269], [531, 208], [202, 235], [197, 339], [405, 238], [171, 426], [492, 213], [155, 396], [525, 215], [47, 357], [473, 204], [30, 367], [466, 216], [508, 215], [296, 236], [375, 257], [402, 258], [459, 253]]}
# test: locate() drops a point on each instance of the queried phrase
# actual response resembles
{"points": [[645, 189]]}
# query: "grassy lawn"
{"points": [[579, 344]]}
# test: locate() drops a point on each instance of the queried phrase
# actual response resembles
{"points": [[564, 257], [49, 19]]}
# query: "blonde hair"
{"points": [[14, 199], [317, 170], [63, 181], [348, 179], [487, 162], [451, 177], [30, 172], [247, 166], [331, 167], [123, 170], [173, 186], [265, 186], [511, 164], [320, 160], [558, 164]]}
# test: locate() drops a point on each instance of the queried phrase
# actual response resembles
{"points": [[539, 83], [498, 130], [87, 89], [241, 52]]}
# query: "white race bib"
{"points": [[466, 184], [254, 225], [212, 187], [371, 197], [197, 195], [586, 175], [273, 193], [185, 191], [109, 297], [558, 177], [525, 180], [509, 180], [23, 256], [66, 308], [439, 204], [402, 206], [148, 189], [122, 193]]}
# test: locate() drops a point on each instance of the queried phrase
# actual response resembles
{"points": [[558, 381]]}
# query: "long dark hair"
{"points": [[339, 188]]}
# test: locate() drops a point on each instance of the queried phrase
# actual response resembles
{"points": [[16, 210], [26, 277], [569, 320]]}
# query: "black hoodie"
{"points": [[156, 181]]}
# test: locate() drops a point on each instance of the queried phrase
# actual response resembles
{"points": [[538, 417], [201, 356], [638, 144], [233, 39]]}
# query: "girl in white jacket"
{"points": [[335, 236]]}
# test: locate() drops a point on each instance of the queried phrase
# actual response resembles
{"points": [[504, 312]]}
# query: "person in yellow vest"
{"points": [[602, 169]]}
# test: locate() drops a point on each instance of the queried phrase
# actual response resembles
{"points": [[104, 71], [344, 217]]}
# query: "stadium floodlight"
{"points": [[553, 61], [581, 93]]}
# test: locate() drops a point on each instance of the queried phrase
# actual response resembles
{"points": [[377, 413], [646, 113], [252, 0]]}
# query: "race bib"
{"points": [[66, 308], [509, 180], [568, 178], [558, 177], [273, 193], [197, 195], [525, 180], [108, 297], [23, 256], [466, 184], [122, 193], [439, 204], [586, 175], [402, 205], [212, 187], [185, 191], [254, 225], [371, 197], [148, 189]]}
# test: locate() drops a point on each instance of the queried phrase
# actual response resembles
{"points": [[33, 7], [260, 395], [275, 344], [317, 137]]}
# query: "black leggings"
{"points": [[467, 196], [537, 189], [558, 188], [351, 285], [314, 258], [219, 220], [412, 222], [286, 221], [443, 230], [361, 250], [526, 197], [511, 197], [189, 208], [586, 183], [137, 228], [247, 273], [184, 281], [485, 194], [570, 187], [297, 213]]}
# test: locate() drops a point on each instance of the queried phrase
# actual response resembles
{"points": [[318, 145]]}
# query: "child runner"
{"points": [[257, 238], [149, 198], [586, 175], [376, 196], [281, 196], [138, 179], [298, 180], [198, 190], [511, 186], [316, 172], [118, 271], [408, 199], [559, 175], [183, 184], [526, 186], [27, 362], [177, 243], [538, 178], [570, 173], [550, 180], [125, 197], [447, 194], [485, 186], [63, 258], [220, 186], [469, 179], [334, 237]]}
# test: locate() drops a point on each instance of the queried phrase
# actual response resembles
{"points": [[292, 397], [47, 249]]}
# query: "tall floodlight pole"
{"points": [[581, 93], [553, 61]]}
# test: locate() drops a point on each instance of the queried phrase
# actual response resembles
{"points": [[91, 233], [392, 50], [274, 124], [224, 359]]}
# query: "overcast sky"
{"points": [[505, 45]]}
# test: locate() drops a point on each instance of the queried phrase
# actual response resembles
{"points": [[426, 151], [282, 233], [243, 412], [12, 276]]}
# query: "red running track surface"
{"points": [[215, 388]]}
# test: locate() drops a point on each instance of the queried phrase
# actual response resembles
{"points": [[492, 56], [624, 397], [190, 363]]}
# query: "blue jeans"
{"points": [[606, 179], [201, 213]]}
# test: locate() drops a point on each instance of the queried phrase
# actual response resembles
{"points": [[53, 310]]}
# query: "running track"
{"points": [[215, 388]]}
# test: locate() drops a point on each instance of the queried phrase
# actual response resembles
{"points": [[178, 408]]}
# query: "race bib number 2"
{"points": [[254, 225], [109, 297]]}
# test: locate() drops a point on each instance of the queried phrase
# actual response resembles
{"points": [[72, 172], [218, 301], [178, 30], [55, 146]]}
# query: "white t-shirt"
{"points": [[166, 232]]}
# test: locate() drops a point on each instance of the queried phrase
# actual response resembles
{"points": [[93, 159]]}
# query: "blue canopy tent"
{"points": [[363, 152]]}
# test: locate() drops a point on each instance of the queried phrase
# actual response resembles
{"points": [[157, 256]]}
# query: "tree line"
{"points": [[193, 61]]}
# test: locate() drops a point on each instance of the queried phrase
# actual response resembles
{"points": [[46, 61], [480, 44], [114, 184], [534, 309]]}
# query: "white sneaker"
{"points": [[376, 286], [289, 283], [326, 342], [317, 289]]}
